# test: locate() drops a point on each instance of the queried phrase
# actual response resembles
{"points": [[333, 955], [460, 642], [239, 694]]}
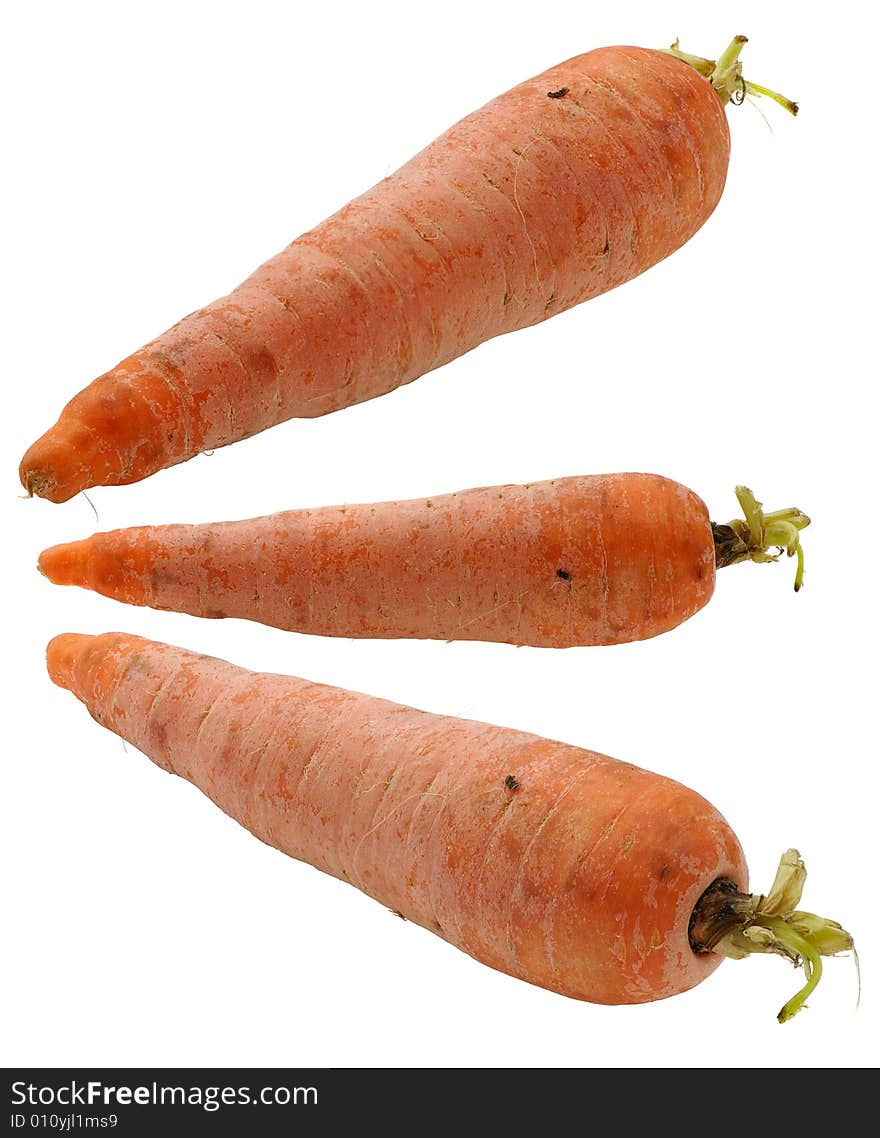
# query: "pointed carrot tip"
{"points": [[38, 472], [62, 654], [63, 461], [63, 564], [35, 483], [44, 484]]}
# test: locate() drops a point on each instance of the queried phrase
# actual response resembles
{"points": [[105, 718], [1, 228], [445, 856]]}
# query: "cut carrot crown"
{"points": [[737, 924], [725, 75], [754, 537]]}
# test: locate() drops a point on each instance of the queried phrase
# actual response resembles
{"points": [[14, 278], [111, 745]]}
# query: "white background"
{"points": [[154, 155]]}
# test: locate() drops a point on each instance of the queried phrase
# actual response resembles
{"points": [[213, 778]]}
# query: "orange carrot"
{"points": [[565, 868], [581, 560], [562, 188]]}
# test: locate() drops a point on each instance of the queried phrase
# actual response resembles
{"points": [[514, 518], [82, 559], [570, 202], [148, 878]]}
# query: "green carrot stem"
{"points": [[736, 925], [725, 75], [761, 536]]}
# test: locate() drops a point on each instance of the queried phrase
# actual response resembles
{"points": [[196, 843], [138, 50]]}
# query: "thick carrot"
{"points": [[565, 868], [562, 188], [582, 560]]}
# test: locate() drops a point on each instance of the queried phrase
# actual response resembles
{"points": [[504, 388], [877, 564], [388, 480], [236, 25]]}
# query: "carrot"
{"points": [[565, 868], [582, 560], [564, 187]]}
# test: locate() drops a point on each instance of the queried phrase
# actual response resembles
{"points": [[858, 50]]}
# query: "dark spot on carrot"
{"points": [[664, 872], [563, 574], [397, 913], [607, 248], [557, 94], [511, 782]]}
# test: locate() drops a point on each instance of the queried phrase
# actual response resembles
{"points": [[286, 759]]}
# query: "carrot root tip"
{"points": [[34, 484]]}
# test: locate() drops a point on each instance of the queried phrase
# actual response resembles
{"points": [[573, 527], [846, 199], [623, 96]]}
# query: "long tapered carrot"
{"points": [[583, 560], [564, 187], [563, 867]]}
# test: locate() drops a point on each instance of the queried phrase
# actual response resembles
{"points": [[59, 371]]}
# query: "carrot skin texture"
{"points": [[584, 560], [525, 208], [582, 880]]}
